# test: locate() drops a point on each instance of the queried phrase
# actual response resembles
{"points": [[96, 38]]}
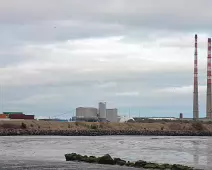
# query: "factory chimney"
{"points": [[195, 93], [209, 95]]}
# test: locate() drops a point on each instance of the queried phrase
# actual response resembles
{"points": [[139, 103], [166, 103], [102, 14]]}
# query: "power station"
{"points": [[209, 81]]}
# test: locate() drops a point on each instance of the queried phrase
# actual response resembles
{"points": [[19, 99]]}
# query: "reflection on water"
{"points": [[195, 151]]}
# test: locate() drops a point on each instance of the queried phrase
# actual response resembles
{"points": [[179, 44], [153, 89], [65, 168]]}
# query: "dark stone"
{"points": [[140, 163], [106, 159], [71, 157], [151, 166], [119, 161], [130, 164], [180, 167], [91, 159]]}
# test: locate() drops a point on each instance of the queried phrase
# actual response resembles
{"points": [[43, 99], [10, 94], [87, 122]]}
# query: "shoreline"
{"points": [[30, 132], [51, 128]]}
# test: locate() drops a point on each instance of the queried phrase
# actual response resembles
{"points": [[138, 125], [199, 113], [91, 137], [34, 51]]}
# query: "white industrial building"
{"points": [[93, 114], [86, 112], [112, 115], [102, 111]]}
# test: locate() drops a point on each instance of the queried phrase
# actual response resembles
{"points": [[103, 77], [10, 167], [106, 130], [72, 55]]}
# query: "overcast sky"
{"points": [[56, 55]]}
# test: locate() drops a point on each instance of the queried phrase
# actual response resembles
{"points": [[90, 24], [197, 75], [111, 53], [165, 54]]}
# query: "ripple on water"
{"points": [[193, 151]]}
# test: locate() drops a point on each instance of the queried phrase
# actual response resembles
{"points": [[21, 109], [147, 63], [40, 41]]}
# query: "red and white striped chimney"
{"points": [[209, 96], [195, 92]]}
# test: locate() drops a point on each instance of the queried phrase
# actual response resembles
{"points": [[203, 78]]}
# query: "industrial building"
{"points": [[88, 114], [112, 115], [102, 112], [91, 114], [16, 115]]}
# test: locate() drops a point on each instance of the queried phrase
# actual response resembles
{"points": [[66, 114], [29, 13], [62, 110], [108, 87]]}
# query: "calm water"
{"points": [[43, 150]]}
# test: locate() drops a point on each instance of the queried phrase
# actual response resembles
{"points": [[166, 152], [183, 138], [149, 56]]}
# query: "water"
{"points": [[46, 151]]}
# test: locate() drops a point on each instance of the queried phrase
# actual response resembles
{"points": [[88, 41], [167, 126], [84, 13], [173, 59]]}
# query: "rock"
{"points": [[180, 167], [84, 158], [92, 159], [119, 161], [71, 157], [151, 166], [140, 163], [130, 164], [106, 159]]}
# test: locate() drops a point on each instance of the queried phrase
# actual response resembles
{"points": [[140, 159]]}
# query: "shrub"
{"points": [[23, 125], [198, 126], [31, 125], [101, 125], [94, 127]]}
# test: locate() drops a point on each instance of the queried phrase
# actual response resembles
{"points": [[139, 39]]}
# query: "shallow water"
{"points": [[42, 150]]}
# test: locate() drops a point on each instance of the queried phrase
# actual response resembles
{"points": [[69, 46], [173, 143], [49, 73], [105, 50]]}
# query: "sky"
{"points": [[136, 55]]}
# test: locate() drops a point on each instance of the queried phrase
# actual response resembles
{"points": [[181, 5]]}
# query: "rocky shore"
{"points": [[100, 132], [108, 160]]}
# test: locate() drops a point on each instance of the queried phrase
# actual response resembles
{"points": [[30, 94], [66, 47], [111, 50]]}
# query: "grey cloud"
{"points": [[164, 14], [53, 90]]}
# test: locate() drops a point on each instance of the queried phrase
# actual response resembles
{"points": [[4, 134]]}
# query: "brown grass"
{"points": [[175, 126]]}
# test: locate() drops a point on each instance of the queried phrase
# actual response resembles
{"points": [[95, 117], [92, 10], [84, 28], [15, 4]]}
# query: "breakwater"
{"points": [[108, 160], [98, 132]]}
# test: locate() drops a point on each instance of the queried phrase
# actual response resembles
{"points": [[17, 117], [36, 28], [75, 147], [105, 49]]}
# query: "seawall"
{"points": [[15, 132]]}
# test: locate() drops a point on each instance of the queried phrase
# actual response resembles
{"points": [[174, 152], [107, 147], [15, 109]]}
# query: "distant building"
{"points": [[91, 114], [112, 115], [86, 114], [102, 112]]}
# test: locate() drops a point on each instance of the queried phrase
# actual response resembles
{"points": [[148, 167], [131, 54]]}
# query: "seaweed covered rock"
{"points": [[106, 159], [119, 161], [91, 159], [152, 166], [71, 157], [140, 164], [130, 164], [180, 167]]}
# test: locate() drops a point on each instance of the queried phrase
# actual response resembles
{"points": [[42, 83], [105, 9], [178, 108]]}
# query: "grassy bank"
{"points": [[154, 126]]}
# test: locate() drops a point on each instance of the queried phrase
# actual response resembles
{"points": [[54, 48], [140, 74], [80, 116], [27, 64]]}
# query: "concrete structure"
{"points": [[112, 115], [195, 92], [125, 119], [209, 95], [102, 111], [86, 112], [158, 118]]}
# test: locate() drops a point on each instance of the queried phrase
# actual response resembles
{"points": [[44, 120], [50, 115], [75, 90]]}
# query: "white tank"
{"points": [[112, 115], [102, 111], [86, 112]]}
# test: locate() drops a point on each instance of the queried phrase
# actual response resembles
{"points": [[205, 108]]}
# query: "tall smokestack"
{"points": [[195, 94], [209, 96]]}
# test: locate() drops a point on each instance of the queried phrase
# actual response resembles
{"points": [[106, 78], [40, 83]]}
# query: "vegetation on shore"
{"points": [[107, 159], [149, 125]]}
